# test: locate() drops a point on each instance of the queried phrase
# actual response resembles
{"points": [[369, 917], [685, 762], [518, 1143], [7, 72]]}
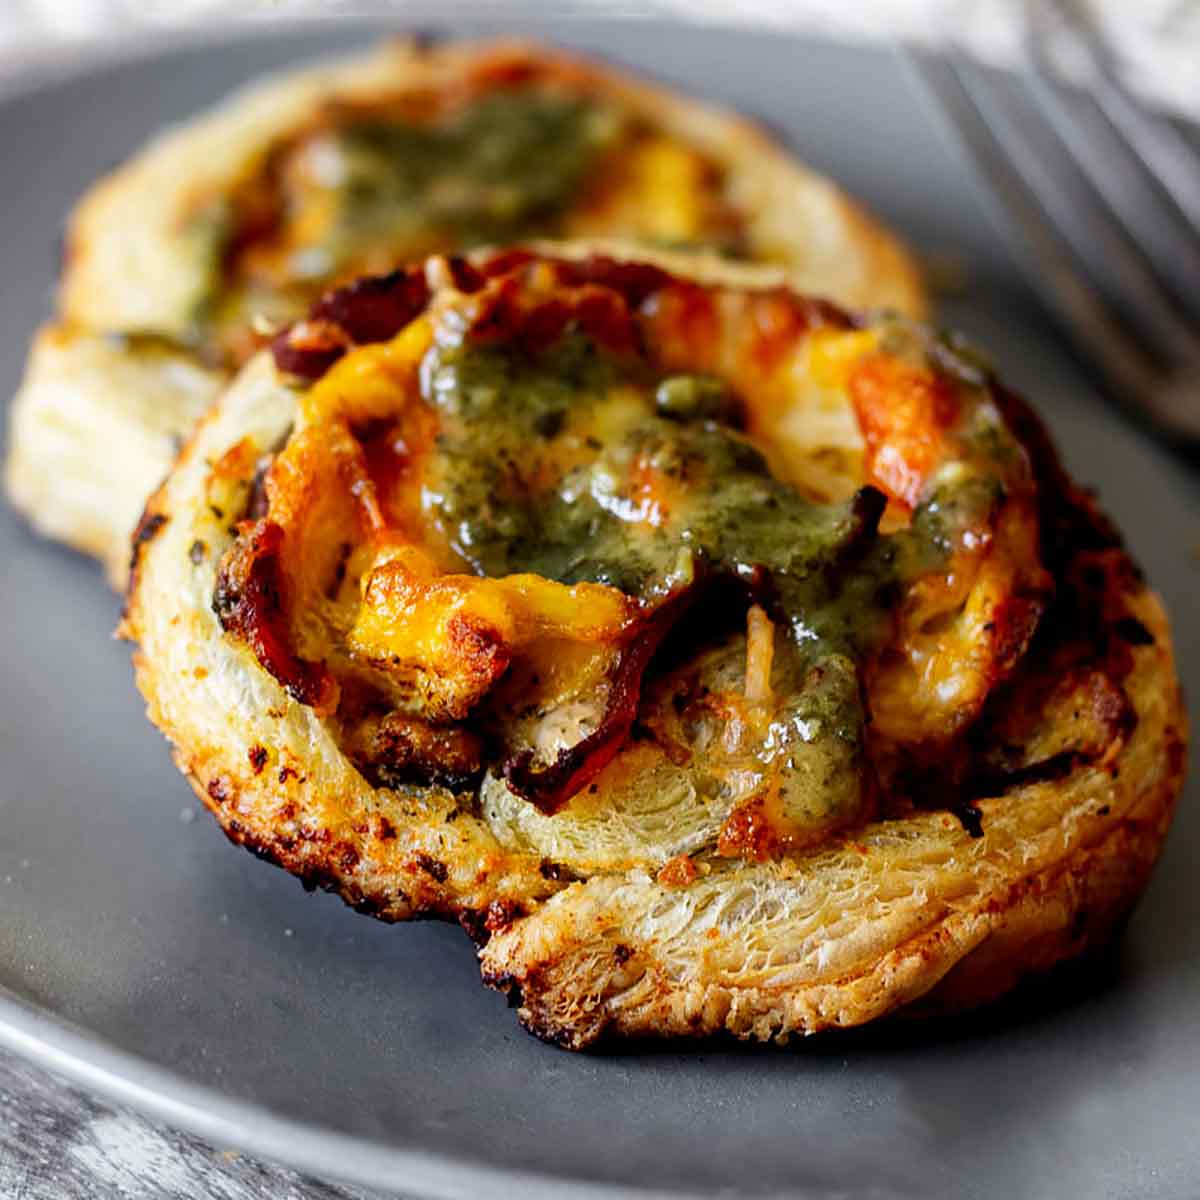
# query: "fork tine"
{"points": [[1048, 258], [1116, 171], [1081, 215], [1166, 153]]}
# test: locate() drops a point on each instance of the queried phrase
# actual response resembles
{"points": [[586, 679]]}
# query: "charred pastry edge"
{"points": [[147, 529], [228, 790]]}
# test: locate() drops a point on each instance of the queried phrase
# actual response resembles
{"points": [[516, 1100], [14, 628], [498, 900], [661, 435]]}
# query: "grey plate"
{"points": [[142, 953]]}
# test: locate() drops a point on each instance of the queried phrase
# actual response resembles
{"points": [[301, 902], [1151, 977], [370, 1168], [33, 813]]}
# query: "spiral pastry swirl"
{"points": [[718, 659]]}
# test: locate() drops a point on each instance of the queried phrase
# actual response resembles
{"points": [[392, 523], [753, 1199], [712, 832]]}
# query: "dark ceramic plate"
{"points": [[141, 953]]}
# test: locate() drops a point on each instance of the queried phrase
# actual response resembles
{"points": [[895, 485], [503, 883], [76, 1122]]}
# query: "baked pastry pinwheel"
{"points": [[233, 223], [719, 660]]}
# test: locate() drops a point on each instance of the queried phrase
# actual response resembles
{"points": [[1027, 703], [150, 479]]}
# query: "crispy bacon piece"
{"points": [[309, 348], [634, 281], [249, 603], [372, 309], [603, 296], [503, 262], [507, 312], [548, 788], [377, 307]]}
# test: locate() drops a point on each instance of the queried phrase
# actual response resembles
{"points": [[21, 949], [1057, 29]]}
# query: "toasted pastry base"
{"points": [[906, 909], [94, 428], [925, 914], [131, 268]]}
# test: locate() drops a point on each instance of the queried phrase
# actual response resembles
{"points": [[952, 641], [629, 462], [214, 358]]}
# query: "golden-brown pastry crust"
{"points": [[906, 909], [93, 430], [133, 267], [970, 920]]}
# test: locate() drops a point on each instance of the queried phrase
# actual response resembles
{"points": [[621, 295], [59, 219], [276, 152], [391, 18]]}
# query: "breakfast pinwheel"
{"points": [[719, 660]]}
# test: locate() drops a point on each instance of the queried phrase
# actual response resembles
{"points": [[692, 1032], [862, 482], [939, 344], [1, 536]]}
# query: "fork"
{"points": [[1100, 201]]}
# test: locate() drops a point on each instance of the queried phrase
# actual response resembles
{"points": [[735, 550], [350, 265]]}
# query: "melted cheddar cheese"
{"points": [[593, 540]]}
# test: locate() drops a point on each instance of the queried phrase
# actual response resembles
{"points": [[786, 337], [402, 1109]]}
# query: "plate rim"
{"points": [[92, 1062]]}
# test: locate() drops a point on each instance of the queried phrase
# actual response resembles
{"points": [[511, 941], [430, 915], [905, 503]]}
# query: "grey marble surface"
{"points": [[58, 1142]]}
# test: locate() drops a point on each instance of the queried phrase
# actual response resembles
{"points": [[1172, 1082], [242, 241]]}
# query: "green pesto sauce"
{"points": [[502, 168], [507, 418]]}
